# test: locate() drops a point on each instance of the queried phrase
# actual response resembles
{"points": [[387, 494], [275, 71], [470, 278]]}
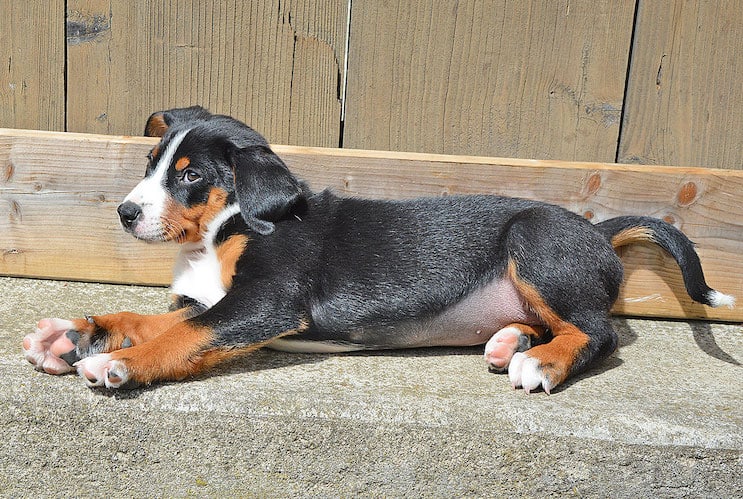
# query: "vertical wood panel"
{"points": [[274, 64], [536, 79], [684, 104], [32, 54]]}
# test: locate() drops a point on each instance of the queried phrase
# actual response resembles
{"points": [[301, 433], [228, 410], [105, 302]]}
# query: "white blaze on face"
{"points": [[151, 196]]}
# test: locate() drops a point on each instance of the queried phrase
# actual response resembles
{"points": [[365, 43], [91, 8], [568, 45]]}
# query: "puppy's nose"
{"points": [[129, 213]]}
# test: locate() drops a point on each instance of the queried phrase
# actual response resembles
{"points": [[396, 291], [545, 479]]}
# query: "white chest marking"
{"points": [[197, 272]]}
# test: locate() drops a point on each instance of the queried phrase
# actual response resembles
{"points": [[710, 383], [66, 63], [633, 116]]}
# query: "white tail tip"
{"points": [[717, 299]]}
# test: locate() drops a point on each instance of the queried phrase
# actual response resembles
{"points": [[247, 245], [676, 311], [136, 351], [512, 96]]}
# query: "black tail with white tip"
{"points": [[630, 229]]}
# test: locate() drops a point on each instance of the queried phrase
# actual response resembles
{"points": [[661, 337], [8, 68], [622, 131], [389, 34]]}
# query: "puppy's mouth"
{"points": [[141, 224], [163, 231]]}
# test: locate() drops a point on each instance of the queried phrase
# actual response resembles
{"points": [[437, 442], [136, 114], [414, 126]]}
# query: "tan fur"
{"points": [[228, 253], [632, 235], [189, 224], [558, 356]]}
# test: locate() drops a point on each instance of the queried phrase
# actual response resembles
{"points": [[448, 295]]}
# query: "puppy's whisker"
{"points": [[174, 229]]}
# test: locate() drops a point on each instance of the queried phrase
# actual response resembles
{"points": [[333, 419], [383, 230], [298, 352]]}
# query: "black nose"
{"points": [[129, 213]]}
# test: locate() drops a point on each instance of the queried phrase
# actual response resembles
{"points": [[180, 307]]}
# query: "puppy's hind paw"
{"points": [[526, 372], [500, 349]]}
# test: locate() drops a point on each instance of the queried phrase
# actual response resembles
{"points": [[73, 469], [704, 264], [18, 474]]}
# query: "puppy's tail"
{"points": [[621, 231]]}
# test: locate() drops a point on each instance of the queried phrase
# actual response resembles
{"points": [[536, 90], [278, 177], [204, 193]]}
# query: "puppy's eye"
{"points": [[189, 176]]}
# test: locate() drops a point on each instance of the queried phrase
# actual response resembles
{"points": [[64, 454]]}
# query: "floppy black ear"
{"points": [[265, 188], [159, 122]]}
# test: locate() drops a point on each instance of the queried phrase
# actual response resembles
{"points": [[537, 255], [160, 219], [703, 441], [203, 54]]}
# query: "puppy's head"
{"points": [[204, 164]]}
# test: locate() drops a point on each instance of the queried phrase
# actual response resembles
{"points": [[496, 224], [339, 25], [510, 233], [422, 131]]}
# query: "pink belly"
{"points": [[472, 321], [479, 316]]}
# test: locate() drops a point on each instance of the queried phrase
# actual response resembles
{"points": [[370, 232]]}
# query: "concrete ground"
{"points": [[663, 417]]}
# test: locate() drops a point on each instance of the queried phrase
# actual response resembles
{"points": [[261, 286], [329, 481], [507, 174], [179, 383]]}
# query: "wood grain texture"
{"points": [[276, 64], [684, 103], [32, 59], [529, 79], [59, 192]]}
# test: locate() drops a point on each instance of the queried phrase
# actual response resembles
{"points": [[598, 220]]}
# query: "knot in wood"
{"points": [[593, 184], [687, 194]]}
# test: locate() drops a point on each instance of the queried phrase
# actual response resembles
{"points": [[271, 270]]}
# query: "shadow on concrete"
{"points": [[705, 339]]}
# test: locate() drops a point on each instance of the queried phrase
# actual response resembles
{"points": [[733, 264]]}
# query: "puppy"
{"points": [[265, 261]]}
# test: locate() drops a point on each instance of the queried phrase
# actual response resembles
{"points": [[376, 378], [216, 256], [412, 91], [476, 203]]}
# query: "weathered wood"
{"points": [[528, 79], [684, 103], [276, 64], [32, 55], [59, 192]]}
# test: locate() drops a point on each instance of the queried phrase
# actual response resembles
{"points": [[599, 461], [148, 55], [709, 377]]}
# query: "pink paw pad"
{"points": [[500, 348], [51, 345]]}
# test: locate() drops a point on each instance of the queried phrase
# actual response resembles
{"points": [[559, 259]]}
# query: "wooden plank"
{"points": [[529, 79], [277, 64], [683, 102], [32, 56], [59, 194]]}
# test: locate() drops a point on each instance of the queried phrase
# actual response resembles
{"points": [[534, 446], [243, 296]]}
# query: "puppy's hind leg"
{"points": [[569, 276], [572, 350]]}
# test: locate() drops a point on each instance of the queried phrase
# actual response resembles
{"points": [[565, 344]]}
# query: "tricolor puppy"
{"points": [[264, 261]]}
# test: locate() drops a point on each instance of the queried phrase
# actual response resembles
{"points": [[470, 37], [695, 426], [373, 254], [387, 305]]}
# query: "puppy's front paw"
{"points": [[527, 373], [52, 346], [102, 370]]}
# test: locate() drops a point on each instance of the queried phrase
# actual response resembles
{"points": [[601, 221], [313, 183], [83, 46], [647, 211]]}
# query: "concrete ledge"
{"points": [[661, 417]]}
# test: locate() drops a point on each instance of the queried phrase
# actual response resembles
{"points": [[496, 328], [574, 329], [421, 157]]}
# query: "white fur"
{"points": [[197, 272], [524, 372], [717, 299], [151, 196], [97, 367], [213, 227]]}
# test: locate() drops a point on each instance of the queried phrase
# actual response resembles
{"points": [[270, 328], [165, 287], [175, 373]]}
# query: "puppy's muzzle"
{"points": [[129, 213]]}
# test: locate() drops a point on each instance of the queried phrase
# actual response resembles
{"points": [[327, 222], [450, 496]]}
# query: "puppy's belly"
{"points": [[471, 321]]}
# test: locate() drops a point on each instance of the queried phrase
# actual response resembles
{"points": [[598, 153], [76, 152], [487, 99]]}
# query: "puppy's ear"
{"points": [[159, 122], [265, 188]]}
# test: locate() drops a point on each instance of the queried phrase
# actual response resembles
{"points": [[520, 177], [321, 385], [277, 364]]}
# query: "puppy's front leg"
{"points": [[57, 344], [234, 326]]}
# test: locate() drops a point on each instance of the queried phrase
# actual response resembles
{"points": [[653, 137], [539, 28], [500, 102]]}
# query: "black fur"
{"points": [[265, 188]]}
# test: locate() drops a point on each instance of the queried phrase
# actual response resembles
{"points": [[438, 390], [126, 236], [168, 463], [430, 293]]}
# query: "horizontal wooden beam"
{"points": [[59, 192]]}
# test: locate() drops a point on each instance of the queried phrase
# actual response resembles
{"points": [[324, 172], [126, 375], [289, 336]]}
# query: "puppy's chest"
{"points": [[198, 275]]}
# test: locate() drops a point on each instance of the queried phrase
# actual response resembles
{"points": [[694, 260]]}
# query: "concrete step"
{"points": [[662, 417]]}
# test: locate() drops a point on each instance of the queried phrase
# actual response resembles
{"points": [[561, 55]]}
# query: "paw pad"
{"points": [[51, 347], [499, 350]]}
